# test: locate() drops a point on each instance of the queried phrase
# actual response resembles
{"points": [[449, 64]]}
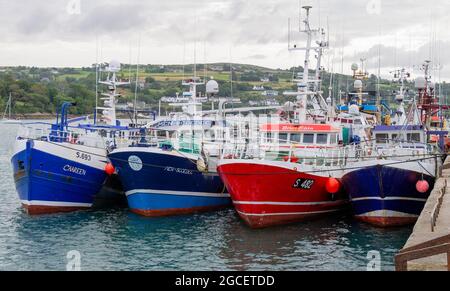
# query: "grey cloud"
{"points": [[224, 23]]}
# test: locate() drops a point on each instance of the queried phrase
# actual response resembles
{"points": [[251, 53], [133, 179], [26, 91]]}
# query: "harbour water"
{"points": [[120, 240]]}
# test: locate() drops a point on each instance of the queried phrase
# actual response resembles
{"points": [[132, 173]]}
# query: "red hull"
{"points": [[41, 210], [266, 195]]}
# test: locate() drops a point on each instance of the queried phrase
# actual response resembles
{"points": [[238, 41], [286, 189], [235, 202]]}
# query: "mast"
{"points": [[10, 104], [109, 99], [303, 84]]}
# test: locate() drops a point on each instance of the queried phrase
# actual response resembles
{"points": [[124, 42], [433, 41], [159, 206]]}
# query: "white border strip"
{"points": [[55, 204], [387, 214], [178, 193], [289, 203], [389, 199]]}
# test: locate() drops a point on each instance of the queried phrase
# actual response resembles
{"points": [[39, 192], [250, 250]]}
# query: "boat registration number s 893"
{"points": [[305, 184], [84, 156]]}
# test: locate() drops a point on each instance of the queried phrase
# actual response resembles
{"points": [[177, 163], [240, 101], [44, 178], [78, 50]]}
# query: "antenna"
{"points": [[96, 79], [184, 60], [205, 68], [137, 80], [231, 74]]}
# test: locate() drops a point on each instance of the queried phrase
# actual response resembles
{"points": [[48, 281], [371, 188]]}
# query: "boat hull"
{"points": [[166, 183], [386, 195], [49, 179], [266, 194]]}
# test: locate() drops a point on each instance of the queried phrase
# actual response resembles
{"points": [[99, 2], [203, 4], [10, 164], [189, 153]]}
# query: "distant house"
{"points": [[265, 80], [258, 88], [272, 102], [216, 68], [270, 93]]}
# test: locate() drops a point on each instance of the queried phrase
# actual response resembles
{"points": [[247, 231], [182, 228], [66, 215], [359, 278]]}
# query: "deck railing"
{"points": [[427, 249]]}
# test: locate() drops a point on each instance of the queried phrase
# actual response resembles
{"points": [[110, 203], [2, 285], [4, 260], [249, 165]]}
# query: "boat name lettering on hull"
{"points": [[178, 170], [74, 170]]}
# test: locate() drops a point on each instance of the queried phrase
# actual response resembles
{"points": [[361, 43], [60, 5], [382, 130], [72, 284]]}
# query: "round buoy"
{"points": [[422, 186], [109, 169], [332, 186], [292, 159]]}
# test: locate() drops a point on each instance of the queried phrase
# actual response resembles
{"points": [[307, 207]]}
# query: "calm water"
{"points": [[119, 240]]}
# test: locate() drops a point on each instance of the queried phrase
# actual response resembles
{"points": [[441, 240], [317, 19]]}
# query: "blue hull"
{"points": [[48, 184], [386, 196], [168, 184]]}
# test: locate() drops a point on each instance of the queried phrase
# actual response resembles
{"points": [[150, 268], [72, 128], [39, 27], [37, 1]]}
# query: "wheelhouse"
{"points": [[314, 135], [384, 135]]}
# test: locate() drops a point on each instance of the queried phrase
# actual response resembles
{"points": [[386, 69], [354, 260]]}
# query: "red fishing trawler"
{"points": [[286, 186], [287, 176]]}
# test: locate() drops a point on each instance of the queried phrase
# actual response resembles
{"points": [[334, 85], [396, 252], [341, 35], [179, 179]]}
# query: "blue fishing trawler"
{"points": [[390, 179], [170, 176], [54, 174], [60, 167]]}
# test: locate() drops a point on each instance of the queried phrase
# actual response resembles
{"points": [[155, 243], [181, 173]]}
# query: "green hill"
{"points": [[41, 90]]}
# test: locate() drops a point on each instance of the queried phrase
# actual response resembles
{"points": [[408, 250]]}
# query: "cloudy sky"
{"points": [[68, 32]]}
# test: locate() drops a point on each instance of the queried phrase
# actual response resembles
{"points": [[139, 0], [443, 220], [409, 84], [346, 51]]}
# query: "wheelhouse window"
{"points": [[209, 135], [322, 138], [296, 137], [283, 137], [308, 138], [394, 136], [382, 137], [268, 137], [161, 134], [413, 137], [333, 138]]}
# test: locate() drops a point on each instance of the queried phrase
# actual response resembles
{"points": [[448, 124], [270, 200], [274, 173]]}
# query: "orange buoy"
{"points": [[292, 159], [332, 186], [109, 169], [422, 186]]}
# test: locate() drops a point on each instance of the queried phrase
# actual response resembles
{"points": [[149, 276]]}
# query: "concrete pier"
{"points": [[433, 224]]}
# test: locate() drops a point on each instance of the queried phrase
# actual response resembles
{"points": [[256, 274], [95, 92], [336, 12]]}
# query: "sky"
{"points": [[75, 33]]}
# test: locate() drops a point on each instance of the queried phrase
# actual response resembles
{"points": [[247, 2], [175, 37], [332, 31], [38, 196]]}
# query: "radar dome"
{"points": [[420, 83], [432, 85], [358, 84], [212, 87], [355, 67], [353, 109]]}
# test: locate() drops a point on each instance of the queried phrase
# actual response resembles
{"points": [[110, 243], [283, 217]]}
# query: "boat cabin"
{"points": [[384, 135], [300, 135]]}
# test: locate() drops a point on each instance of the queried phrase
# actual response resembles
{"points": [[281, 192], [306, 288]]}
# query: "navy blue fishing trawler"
{"points": [[390, 178], [169, 172]]}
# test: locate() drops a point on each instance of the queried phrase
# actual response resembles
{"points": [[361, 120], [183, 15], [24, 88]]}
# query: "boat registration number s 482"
{"points": [[305, 184]]}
